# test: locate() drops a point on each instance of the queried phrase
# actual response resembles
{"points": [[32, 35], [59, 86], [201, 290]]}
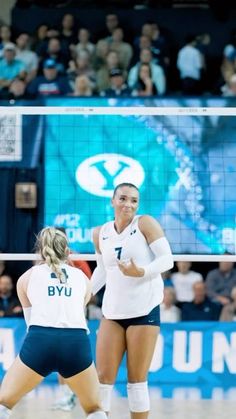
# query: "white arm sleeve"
{"points": [[98, 278], [163, 258], [27, 313]]}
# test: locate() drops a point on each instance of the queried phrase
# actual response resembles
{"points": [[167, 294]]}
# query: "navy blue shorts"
{"points": [[49, 349], [151, 319]]}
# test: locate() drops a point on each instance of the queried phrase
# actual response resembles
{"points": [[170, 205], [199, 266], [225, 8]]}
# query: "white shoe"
{"points": [[66, 403]]}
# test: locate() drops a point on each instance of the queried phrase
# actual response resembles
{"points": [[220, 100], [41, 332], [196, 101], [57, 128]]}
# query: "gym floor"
{"points": [[187, 405]]}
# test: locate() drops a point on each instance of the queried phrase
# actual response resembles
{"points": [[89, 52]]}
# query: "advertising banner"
{"points": [[194, 354]]}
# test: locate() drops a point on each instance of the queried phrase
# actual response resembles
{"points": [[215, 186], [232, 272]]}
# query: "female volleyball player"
{"points": [[53, 296], [131, 254], [67, 400]]}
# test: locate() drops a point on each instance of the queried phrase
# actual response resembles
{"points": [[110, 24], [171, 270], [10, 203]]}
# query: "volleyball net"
{"points": [[182, 159]]}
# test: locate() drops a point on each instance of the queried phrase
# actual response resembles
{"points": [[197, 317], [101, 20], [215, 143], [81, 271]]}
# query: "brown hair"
{"points": [[129, 185]]}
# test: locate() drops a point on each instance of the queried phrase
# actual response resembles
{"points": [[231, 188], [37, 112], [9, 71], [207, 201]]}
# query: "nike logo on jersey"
{"points": [[133, 232], [105, 238], [150, 321]]}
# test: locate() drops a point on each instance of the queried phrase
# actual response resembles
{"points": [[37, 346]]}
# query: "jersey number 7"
{"points": [[118, 250]]}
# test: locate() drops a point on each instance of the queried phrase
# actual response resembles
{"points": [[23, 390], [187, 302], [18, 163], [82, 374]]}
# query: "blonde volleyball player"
{"points": [[67, 401], [131, 254], [53, 296]]}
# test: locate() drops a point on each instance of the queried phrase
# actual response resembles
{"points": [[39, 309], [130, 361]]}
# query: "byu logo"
{"points": [[59, 290], [100, 174]]}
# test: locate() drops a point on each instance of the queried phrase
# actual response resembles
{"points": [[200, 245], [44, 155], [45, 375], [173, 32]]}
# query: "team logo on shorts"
{"points": [[100, 174]]}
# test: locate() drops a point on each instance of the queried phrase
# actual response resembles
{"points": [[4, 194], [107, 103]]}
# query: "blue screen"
{"points": [[184, 166]]}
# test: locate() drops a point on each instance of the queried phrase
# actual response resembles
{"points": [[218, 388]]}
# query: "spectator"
{"points": [[158, 75], [146, 30], [10, 68], [220, 282], [145, 84], [56, 52], [40, 40], [84, 43], [190, 63], [43, 47], [228, 313], [123, 49], [17, 90], [29, 58], [112, 22], [83, 86], [118, 87], [103, 74], [201, 308], [5, 37], [168, 311], [203, 44], [144, 42], [9, 304], [67, 32], [228, 67], [50, 83], [183, 281], [41, 33], [159, 46], [81, 66], [101, 53], [229, 89]]}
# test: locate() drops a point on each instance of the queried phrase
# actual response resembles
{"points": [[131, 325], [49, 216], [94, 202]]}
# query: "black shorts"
{"points": [[51, 349], [151, 319]]}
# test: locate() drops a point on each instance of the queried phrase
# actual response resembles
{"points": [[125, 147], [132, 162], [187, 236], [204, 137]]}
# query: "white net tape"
{"points": [[92, 257]]}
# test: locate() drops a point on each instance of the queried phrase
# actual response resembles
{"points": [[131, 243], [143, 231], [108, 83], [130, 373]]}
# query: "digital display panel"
{"points": [[184, 166]]}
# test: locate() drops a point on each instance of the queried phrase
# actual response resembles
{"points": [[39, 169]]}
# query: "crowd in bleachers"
{"points": [[188, 296], [9, 303], [69, 60]]}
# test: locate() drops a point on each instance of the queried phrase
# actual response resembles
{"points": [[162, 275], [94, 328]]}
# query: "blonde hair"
{"points": [[52, 244]]}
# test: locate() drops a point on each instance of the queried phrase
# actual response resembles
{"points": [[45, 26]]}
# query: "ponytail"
{"points": [[52, 244]]}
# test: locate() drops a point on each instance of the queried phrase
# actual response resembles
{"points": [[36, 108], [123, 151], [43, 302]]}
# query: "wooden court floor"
{"points": [[37, 405]]}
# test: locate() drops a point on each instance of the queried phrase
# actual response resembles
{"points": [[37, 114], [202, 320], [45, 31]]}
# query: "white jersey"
{"points": [[55, 304], [183, 284], [125, 296]]}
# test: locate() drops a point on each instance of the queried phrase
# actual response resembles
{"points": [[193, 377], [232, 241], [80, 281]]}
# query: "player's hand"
{"points": [[130, 268]]}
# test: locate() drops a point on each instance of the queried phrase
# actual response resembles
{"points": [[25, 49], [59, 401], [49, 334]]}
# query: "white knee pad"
{"points": [[4, 412], [138, 397], [105, 396], [97, 415]]}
